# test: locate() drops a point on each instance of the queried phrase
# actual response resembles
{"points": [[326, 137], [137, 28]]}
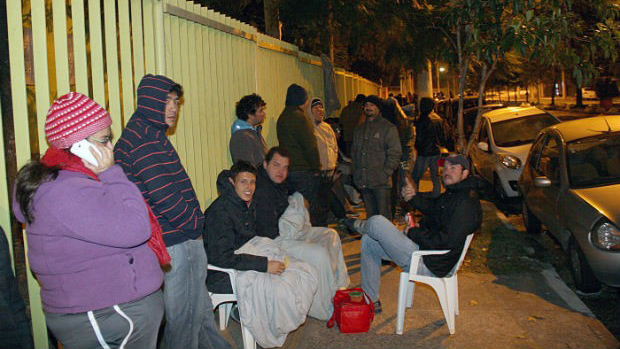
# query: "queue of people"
{"points": [[120, 246]]}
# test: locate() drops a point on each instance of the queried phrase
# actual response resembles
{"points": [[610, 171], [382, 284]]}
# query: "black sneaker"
{"points": [[355, 225], [377, 305]]}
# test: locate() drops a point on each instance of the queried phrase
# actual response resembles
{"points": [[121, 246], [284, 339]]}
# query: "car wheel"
{"points": [[581, 270], [498, 189], [531, 222]]}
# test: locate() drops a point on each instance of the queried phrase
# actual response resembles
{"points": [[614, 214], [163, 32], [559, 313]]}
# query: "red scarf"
{"points": [[62, 158]]}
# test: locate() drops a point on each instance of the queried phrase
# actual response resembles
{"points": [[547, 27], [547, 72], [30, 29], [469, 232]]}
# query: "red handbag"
{"points": [[352, 317]]}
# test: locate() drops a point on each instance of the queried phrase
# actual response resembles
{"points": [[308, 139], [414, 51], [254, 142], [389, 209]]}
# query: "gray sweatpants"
{"points": [[133, 324]]}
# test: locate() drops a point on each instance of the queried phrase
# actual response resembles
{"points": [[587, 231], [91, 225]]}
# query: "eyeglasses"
{"points": [[105, 140]]}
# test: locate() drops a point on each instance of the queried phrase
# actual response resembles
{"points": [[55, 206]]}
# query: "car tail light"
{"points": [[606, 236]]}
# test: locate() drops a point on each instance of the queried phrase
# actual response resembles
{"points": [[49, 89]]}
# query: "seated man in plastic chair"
{"points": [[274, 291], [448, 219], [278, 218]]}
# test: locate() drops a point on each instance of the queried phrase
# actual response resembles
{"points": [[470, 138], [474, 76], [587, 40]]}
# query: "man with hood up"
{"points": [[296, 134], [151, 162]]}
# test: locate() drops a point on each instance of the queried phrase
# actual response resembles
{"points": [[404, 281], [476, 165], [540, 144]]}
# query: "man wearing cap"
{"points": [[246, 141], [376, 154], [150, 161], [328, 153], [296, 134], [448, 220]]}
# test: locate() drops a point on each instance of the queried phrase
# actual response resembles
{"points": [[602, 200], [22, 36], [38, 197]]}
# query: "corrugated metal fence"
{"points": [[102, 48]]}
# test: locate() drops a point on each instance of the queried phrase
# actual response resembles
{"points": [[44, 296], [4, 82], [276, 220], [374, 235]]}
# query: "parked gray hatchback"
{"points": [[571, 185]]}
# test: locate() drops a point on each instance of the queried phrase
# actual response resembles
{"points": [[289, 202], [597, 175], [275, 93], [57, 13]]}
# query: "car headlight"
{"points": [[510, 161], [606, 236]]}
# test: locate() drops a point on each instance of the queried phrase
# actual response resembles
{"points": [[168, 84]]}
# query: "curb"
{"points": [[552, 278]]}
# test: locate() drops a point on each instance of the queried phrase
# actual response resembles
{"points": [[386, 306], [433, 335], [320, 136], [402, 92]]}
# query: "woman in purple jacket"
{"points": [[87, 230]]}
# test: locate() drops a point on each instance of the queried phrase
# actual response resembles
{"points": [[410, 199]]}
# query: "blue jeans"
{"points": [[188, 309], [382, 240], [421, 164]]}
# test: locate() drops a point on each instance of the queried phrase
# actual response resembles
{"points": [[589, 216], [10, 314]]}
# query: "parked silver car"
{"points": [[504, 139], [571, 184]]}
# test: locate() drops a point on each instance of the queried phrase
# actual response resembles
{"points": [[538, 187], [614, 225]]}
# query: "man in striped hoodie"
{"points": [[151, 162]]}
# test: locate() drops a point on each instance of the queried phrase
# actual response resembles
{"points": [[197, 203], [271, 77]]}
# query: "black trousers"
{"points": [[308, 183]]}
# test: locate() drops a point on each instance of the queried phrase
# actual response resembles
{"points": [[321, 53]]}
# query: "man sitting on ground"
{"points": [[447, 222]]}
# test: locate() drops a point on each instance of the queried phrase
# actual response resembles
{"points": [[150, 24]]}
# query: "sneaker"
{"points": [[353, 214], [355, 225], [377, 305]]}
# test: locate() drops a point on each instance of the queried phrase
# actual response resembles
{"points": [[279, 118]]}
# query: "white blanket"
{"points": [[318, 246], [272, 306]]}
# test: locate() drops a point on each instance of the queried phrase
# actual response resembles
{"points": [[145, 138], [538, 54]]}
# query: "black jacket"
{"points": [[429, 135], [447, 221], [271, 201], [151, 162], [229, 224]]}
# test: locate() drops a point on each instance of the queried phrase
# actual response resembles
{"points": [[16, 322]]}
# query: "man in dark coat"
{"points": [[447, 222], [296, 134], [376, 154], [271, 192], [351, 116], [14, 325], [230, 223], [150, 161], [429, 139]]}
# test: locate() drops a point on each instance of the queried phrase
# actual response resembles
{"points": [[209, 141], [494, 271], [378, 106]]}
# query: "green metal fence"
{"points": [[103, 48]]}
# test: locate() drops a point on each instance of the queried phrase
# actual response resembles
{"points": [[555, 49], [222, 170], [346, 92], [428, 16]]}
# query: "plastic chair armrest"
{"points": [[430, 252], [232, 273]]}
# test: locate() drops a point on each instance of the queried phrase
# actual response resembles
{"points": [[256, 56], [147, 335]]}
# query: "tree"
{"points": [[483, 31], [581, 36]]}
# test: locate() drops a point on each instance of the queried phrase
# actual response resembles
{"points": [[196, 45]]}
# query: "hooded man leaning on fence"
{"points": [[151, 162]]}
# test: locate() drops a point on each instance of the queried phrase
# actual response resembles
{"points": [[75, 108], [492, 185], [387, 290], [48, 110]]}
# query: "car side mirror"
{"points": [[542, 182], [484, 146]]}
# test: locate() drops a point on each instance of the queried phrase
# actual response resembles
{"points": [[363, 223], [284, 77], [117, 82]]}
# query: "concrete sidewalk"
{"points": [[527, 310], [531, 310]]}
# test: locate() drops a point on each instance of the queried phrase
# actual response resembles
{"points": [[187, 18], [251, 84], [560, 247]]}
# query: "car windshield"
{"points": [[594, 161], [519, 131]]}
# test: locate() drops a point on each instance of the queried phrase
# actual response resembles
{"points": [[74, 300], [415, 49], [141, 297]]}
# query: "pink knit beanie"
{"points": [[73, 117]]}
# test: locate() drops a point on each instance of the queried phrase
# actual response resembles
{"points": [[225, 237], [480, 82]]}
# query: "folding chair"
{"points": [[445, 287]]}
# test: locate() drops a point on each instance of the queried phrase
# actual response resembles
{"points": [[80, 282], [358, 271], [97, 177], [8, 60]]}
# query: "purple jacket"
{"points": [[87, 243]]}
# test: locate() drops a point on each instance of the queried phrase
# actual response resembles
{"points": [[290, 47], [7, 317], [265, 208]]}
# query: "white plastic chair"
{"points": [[445, 287], [227, 300]]}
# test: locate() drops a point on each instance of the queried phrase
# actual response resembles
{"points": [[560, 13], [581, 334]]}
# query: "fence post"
{"points": [[160, 40]]}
